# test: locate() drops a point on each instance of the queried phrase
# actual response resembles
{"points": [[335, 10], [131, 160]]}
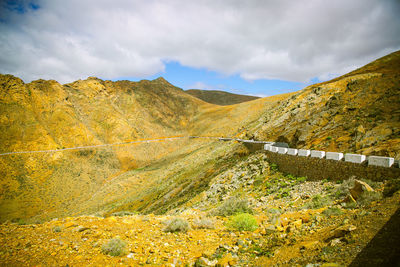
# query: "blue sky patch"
{"points": [[201, 78]]}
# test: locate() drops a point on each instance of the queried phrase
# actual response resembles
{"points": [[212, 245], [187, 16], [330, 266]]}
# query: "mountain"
{"points": [[75, 200], [45, 115], [220, 97]]}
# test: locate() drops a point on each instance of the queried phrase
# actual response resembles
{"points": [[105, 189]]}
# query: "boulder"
{"points": [[358, 188], [342, 231]]}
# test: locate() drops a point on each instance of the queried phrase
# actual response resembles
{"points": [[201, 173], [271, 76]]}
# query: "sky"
{"points": [[255, 47]]}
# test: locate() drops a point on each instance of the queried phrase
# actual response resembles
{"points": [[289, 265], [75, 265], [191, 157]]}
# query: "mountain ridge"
{"points": [[220, 97]]}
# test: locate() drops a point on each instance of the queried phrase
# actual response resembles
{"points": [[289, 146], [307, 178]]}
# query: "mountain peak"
{"points": [[161, 79]]}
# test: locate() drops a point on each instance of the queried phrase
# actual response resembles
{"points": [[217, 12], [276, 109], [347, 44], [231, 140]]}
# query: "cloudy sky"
{"points": [[260, 47]]}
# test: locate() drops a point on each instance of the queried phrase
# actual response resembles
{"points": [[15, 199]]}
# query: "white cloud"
{"points": [[257, 39]]}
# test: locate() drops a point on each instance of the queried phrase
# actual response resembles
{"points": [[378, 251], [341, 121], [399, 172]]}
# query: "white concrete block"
{"points": [[273, 149], [292, 151], [334, 155], [317, 154], [355, 158], [304, 152], [282, 150], [380, 161], [267, 147]]}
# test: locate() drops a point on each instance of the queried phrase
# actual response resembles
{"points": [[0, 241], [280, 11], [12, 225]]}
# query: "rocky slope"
{"points": [[220, 97], [299, 222], [358, 112]]}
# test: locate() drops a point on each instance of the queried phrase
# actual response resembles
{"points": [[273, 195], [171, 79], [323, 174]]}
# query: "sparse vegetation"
{"points": [[122, 213], [20, 221], [318, 201], [350, 205], [203, 223], [373, 184], [367, 197], [56, 229], [242, 222], [332, 211], [114, 247], [273, 167], [343, 190], [233, 206], [176, 225]]}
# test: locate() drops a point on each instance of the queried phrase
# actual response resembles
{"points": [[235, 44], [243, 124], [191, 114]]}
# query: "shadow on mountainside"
{"points": [[384, 248]]}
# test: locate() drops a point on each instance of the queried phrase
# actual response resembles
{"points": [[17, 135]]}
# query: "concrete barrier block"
{"points": [[355, 158], [282, 150], [267, 147], [292, 151], [334, 155], [317, 154], [304, 152], [380, 161], [273, 149]]}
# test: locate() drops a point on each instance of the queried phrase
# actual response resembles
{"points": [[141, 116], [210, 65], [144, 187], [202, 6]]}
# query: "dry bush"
{"points": [[203, 223], [233, 206], [176, 225], [114, 247]]}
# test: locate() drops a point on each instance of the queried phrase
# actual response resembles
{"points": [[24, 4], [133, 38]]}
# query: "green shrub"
{"points": [[203, 223], [21, 222], [176, 225], [242, 222], [56, 229], [301, 179], [273, 167], [318, 201], [233, 206], [114, 247]]}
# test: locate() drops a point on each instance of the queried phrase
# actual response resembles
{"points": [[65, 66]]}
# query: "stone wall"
{"points": [[316, 168]]}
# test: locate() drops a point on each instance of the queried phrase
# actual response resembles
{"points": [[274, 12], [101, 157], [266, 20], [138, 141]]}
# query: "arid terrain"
{"points": [[178, 202], [220, 97]]}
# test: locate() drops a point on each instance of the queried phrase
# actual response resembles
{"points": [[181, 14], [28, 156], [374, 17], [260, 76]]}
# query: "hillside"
{"points": [[357, 112], [220, 97], [75, 201], [46, 115]]}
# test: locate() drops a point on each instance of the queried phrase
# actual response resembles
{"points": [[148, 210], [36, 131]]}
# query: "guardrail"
{"points": [[348, 157]]}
